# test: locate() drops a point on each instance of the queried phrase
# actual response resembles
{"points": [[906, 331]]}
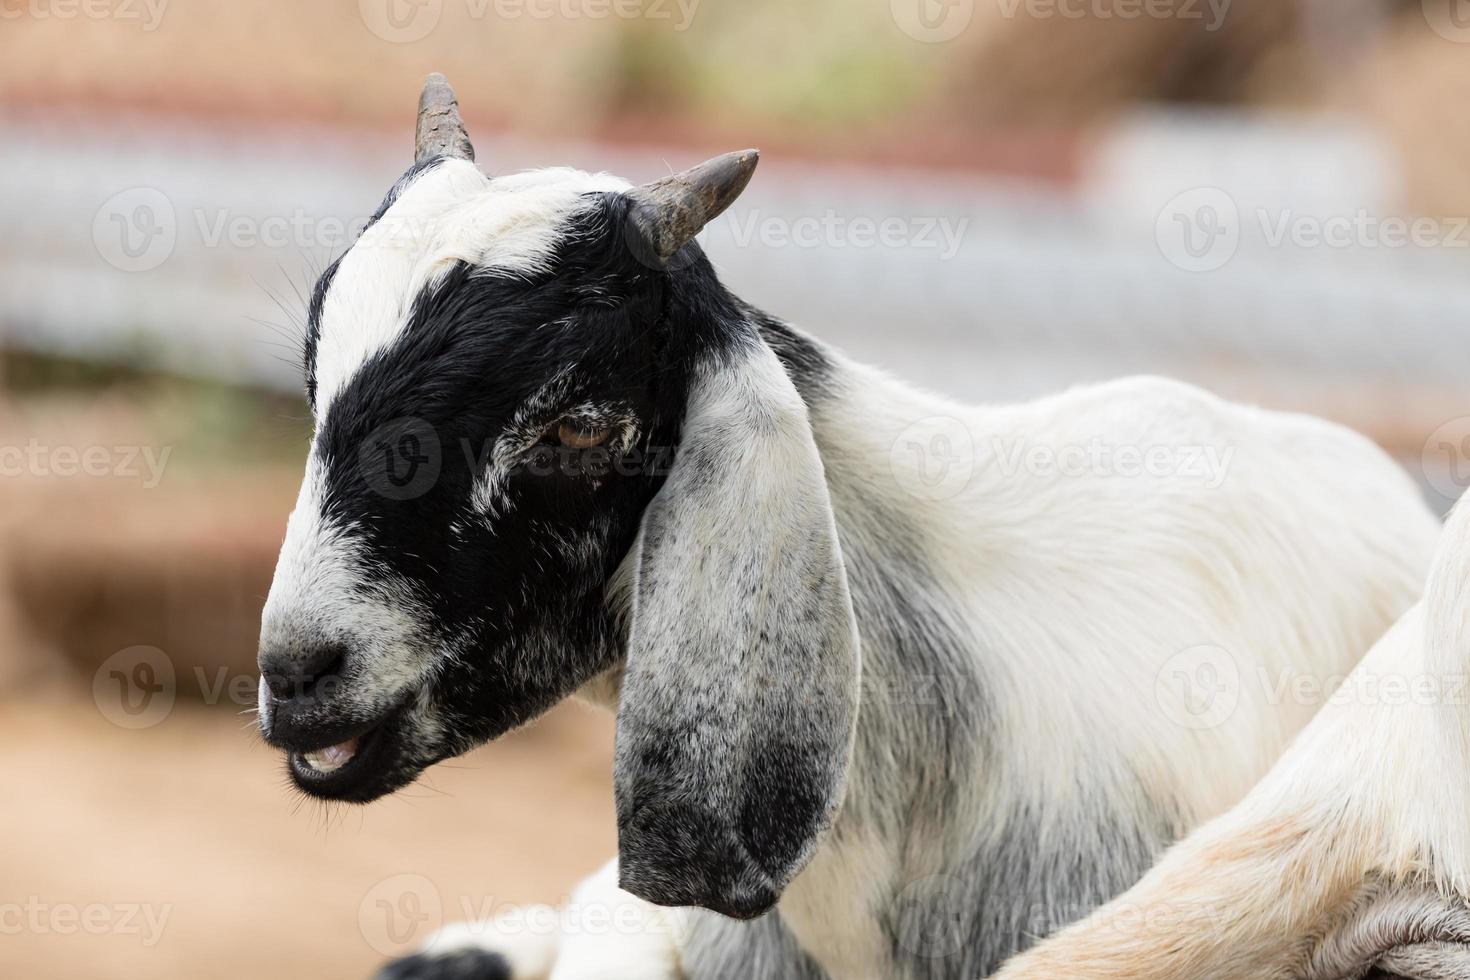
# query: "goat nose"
{"points": [[300, 674]]}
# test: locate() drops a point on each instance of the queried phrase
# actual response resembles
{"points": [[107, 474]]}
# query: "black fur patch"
{"points": [[467, 964], [518, 595], [805, 360], [1045, 871]]}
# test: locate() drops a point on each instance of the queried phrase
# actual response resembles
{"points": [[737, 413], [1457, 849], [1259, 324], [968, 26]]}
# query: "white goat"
{"points": [[1353, 853], [934, 678]]}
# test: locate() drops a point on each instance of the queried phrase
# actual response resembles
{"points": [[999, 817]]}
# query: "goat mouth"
{"points": [[358, 768]]}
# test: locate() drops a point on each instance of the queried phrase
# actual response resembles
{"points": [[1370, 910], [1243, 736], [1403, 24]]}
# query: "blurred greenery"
{"points": [[815, 73], [208, 423]]}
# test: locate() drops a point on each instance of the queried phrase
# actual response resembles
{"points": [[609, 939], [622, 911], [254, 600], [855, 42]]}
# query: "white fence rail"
{"points": [[1194, 246]]}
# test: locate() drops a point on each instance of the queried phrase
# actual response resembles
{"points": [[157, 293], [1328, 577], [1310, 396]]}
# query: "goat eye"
{"points": [[576, 437]]}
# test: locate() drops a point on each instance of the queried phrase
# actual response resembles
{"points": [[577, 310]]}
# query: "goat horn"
{"points": [[668, 212], [440, 131]]}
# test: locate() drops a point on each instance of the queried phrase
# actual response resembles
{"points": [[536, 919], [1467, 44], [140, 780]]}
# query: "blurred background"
{"points": [[993, 198]]}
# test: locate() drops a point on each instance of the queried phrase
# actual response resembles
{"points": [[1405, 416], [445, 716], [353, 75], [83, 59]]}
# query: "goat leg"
{"points": [[1391, 929]]}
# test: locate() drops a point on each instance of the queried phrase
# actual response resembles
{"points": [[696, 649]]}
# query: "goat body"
{"points": [[1353, 851], [1066, 666], [1041, 647], [902, 685]]}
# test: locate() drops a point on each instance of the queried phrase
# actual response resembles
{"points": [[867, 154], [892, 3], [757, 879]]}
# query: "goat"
{"points": [[894, 677], [1353, 853]]}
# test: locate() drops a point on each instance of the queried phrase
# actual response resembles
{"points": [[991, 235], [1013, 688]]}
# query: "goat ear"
{"points": [[739, 696]]}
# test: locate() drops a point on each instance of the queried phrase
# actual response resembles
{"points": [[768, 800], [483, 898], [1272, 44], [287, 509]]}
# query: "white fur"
{"points": [[1075, 593], [639, 943], [602, 932], [526, 938], [317, 596], [1080, 590], [452, 213], [1090, 581], [1373, 797]]}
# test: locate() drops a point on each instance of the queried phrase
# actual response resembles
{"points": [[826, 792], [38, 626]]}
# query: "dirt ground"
{"points": [[167, 842], [179, 851], [142, 845]]}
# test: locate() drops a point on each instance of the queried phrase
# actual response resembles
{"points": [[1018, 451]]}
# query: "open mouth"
{"points": [[359, 766]]}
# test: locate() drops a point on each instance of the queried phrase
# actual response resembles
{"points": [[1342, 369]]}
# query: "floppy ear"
{"points": [[739, 696]]}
